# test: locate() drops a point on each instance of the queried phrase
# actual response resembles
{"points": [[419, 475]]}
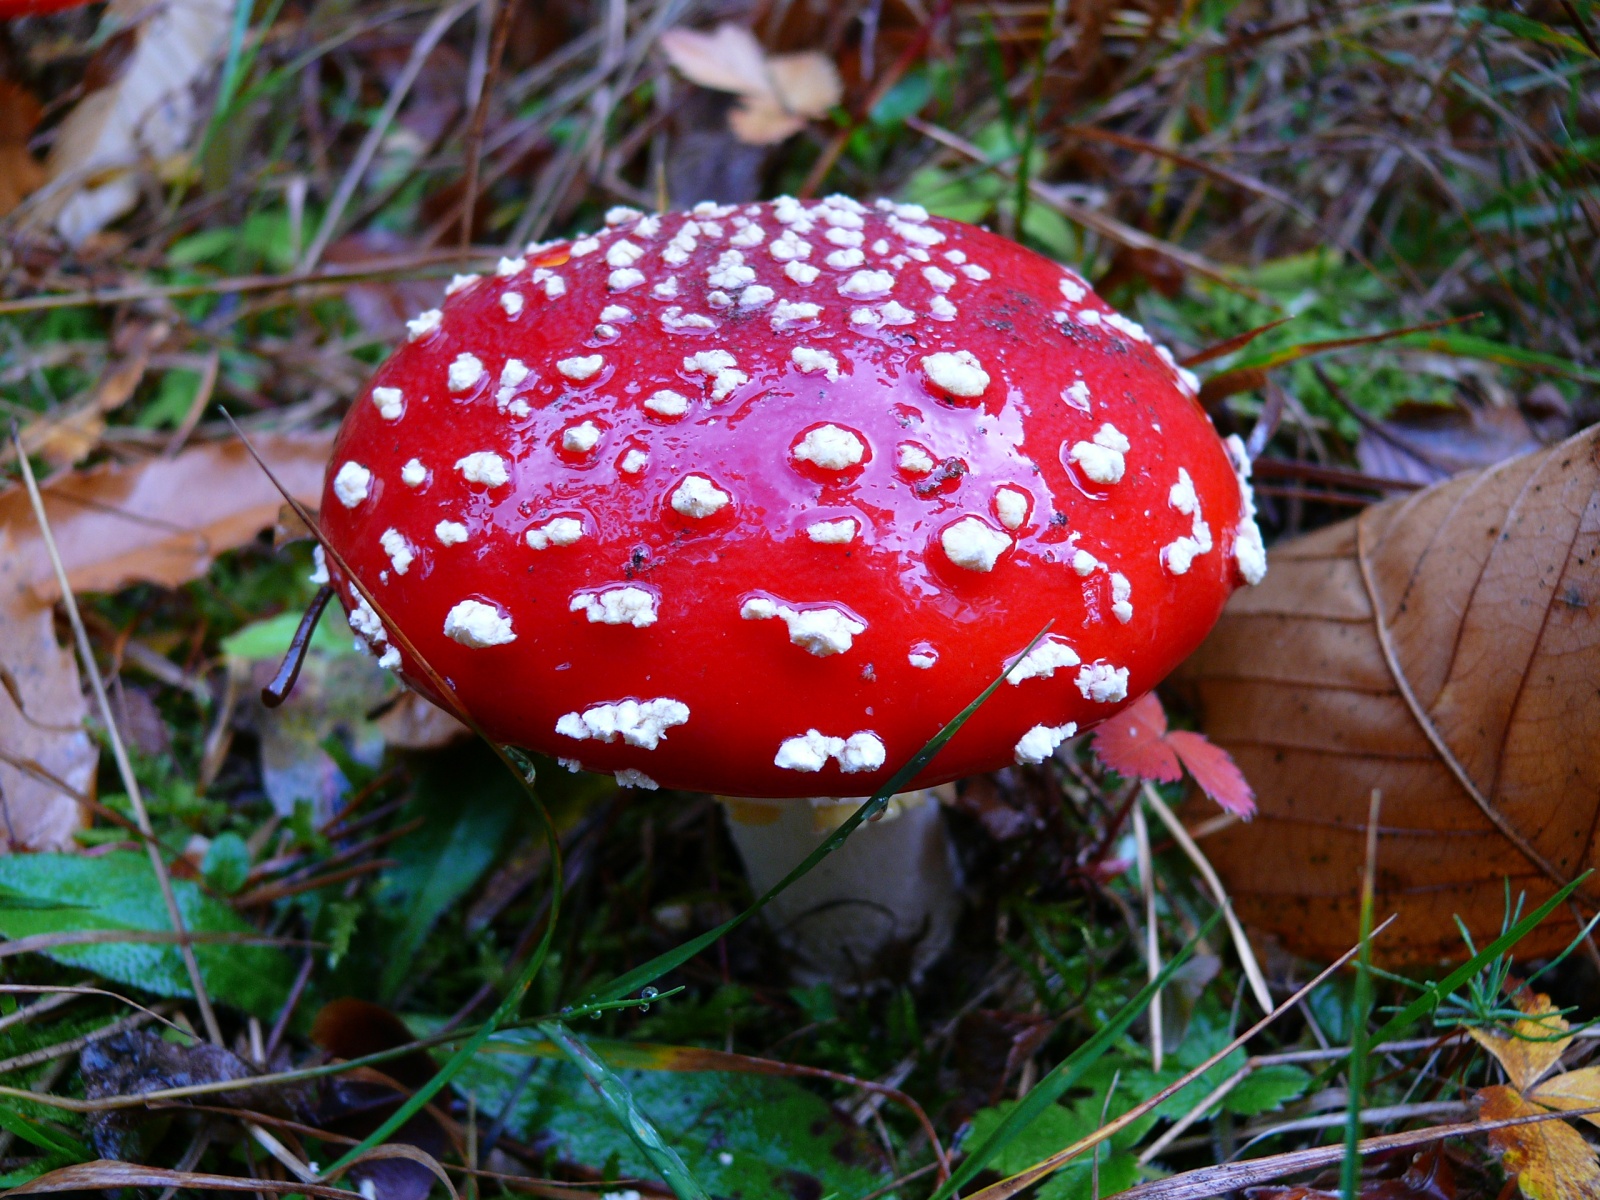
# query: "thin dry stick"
{"points": [[1247, 956], [1152, 942], [118, 750], [61, 995], [380, 127]]}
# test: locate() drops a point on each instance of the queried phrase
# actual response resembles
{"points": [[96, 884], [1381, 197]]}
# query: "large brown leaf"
{"points": [[1444, 649]]}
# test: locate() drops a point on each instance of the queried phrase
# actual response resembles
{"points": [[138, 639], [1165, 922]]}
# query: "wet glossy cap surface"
{"points": [[754, 499]]}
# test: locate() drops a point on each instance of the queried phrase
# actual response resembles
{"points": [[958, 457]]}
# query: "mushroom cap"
{"points": [[754, 499]]}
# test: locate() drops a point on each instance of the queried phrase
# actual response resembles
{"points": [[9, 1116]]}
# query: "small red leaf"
{"points": [[1134, 742], [1215, 771]]}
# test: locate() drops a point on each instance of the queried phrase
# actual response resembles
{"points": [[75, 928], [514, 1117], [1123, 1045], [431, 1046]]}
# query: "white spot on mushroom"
{"points": [[895, 313], [749, 235], [1132, 328], [831, 448], [1011, 506], [554, 287], [476, 624], [512, 303], [1188, 381], [865, 317], [1179, 555], [457, 282], [756, 295], [413, 473], [512, 376], [465, 371], [1076, 394], [581, 438], [352, 484], [820, 631], [365, 622], [1073, 290], [398, 549], [623, 253], [730, 272], [1121, 595], [940, 309], [719, 365], [562, 531], [641, 724], [848, 238], [974, 271], [789, 246], [790, 313], [939, 280], [811, 751], [1084, 563], [674, 319], [485, 467], [844, 260], [971, 543], [606, 333], [389, 660], [450, 533], [580, 368], [1043, 661], [1088, 316], [509, 266], [697, 498], [617, 606], [868, 284], [832, 533], [319, 566], [960, 373], [802, 273], [955, 256], [612, 313], [667, 403], [1101, 459], [634, 461], [624, 278], [1249, 551], [621, 213], [630, 777], [1040, 742], [666, 289], [584, 246], [390, 403], [1103, 683], [423, 324], [913, 459], [923, 656], [812, 361]]}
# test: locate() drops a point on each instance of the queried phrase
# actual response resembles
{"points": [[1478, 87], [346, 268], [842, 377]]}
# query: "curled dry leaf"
{"points": [[114, 526], [777, 94], [1444, 650]]}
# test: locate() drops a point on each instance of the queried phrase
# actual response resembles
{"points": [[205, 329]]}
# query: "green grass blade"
{"points": [[619, 1102], [1436, 993], [1361, 1010], [1070, 1069], [649, 972]]}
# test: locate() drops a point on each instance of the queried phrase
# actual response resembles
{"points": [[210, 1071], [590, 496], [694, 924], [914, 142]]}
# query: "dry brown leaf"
{"points": [[20, 174], [777, 94], [1575, 1089], [1534, 1045], [162, 521], [46, 731], [1443, 649], [141, 118], [1549, 1158]]}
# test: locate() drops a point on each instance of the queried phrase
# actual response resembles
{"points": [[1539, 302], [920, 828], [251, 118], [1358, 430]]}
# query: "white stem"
{"points": [[882, 907]]}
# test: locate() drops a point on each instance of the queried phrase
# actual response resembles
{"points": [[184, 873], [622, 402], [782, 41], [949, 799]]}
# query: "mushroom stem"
{"points": [[881, 907]]}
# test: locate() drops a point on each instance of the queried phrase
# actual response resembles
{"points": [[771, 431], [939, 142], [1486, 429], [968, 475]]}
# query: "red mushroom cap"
{"points": [[754, 499]]}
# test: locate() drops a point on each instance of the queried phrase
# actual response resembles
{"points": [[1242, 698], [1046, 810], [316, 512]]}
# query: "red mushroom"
{"points": [[753, 499]]}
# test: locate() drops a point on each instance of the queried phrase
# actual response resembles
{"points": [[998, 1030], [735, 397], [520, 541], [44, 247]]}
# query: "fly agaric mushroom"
{"points": [[753, 499]]}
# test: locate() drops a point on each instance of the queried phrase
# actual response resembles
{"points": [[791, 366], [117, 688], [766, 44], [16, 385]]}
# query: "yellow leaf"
{"points": [[777, 95], [1535, 1044], [1549, 1158], [1575, 1089]]}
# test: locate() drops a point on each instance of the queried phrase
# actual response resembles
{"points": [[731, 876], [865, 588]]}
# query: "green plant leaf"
{"points": [[742, 1135], [1266, 1089], [118, 891]]}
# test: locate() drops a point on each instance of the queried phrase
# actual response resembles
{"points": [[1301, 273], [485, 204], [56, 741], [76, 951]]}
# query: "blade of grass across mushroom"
{"points": [[512, 1000], [1008, 1187], [649, 972]]}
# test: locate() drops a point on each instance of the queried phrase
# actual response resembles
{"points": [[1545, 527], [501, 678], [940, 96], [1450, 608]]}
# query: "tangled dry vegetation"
{"points": [[368, 898]]}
